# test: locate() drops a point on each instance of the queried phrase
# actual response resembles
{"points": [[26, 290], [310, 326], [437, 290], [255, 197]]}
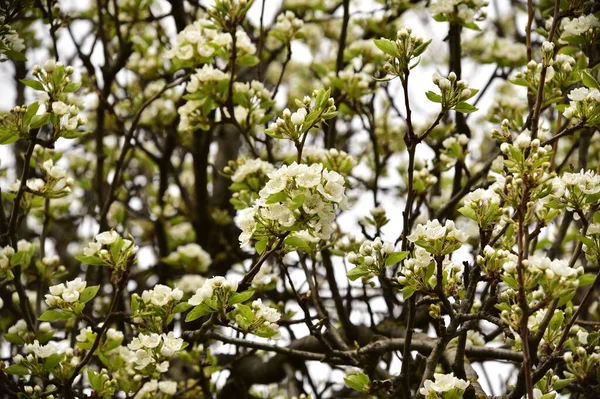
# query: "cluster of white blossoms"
{"points": [[371, 258], [298, 195], [354, 84], [253, 100], [191, 257], [41, 351], [584, 105], [189, 283], [57, 184], [161, 295], [286, 27], [265, 316], [493, 260], [154, 388], [10, 39], [419, 274], [571, 190], [249, 168], [453, 149], [23, 255], [202, 40], [438, 239], [20, 330], [219, 286], [62, 296], [101, 251], [453, 91], [445, 386], [152, 351], [332, 159], [580, 26], [423, 179], [203, 85], [68, 114], [461, 11], [311, 111], [498, 50]]}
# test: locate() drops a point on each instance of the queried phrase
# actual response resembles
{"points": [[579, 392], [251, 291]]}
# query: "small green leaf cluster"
{"points": [[454, 94], [111, 250], [9, 258], [404, 52], [372, 259], [311, 112]]}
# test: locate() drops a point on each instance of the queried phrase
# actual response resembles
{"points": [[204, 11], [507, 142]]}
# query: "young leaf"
{"points": [[387, 46], [51, 315], [241, 297], [395, 257], [198, 312], [358, 381]]}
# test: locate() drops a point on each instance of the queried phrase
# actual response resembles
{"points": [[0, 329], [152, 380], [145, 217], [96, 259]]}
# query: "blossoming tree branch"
{"points": [[274, 199]]}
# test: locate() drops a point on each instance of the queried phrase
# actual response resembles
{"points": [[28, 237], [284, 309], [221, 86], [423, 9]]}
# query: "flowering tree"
{"points": [[181, 182]]}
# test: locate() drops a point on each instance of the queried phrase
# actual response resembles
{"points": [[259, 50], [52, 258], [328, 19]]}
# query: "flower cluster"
{"points": [[40, 359], [192, 257], [454, 93], [445, 386], [248, 177], [287, 27], [419, 274], [10, 258], [580, 29], [69, 298], [584, 105], [354, 84], [11, 45], [483, 206], [310, 113], [437, 239], [20, 334], [454, 149], [154, 388], [493, 260], [404, 52], [332, 159], [258, 319], [153, 351], [57, 184], [372, 258], [156, 308], [575, 191], [206, 90], [296, 198], [109, 249], [252, 101], [503, 51], [217, 294], [464, 12], [555, 277]]}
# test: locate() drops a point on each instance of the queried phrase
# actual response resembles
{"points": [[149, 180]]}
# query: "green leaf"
{"points": [[14, 339], [421, 48], [51, 315], [297, 202], [15, 55], [246, 312], [198, 312], [436, 98], [90, 260], [7, 136], [34, 84], [32, 109], [387, 46], [247, 60], [297, 242], [241, 297], [17, 369], [358, 272], [589, 81], [39, 121], [560, 384], [73, 86], [557, 321], [395, 257], [52, 360], [89, 293], [260, 246], [408, 291], [358, 381], [181, 307], [465, 108], [277, 197], [586, 279], [468, 212]]}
